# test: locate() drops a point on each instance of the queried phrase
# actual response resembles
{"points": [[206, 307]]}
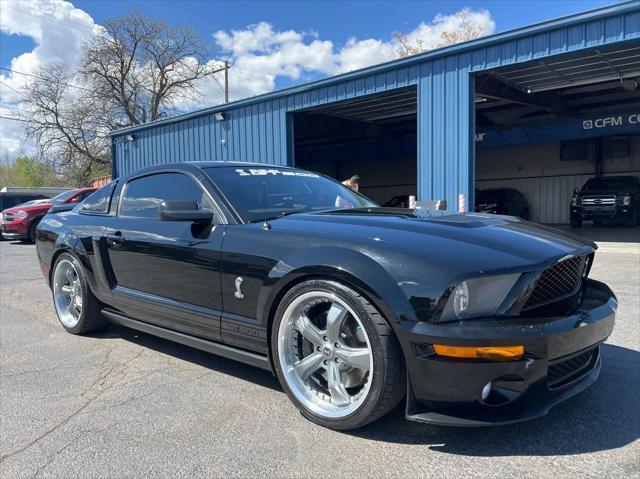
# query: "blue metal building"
{"points": [[433, 109]]}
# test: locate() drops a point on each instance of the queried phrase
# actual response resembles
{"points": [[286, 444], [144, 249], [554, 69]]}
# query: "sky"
{"points": [[270, 44]]}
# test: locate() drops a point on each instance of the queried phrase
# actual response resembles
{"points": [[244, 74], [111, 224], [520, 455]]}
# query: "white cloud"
{"points": [[10, 135], [431, 33], [259, 54], [58, 29]]}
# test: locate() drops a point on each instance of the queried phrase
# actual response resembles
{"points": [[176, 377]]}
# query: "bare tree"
{"points": [[131, 73], [70, 131], [468, 31], [142, 66]]}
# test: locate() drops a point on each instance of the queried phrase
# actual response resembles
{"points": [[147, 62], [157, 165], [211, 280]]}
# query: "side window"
{"points": [[143, 196], [98, 201], [85, 195]]}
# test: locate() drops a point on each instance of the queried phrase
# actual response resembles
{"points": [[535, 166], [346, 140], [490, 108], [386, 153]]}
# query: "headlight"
{"points": [[20, 214], [626, 200], [575, 201], [478, 297], [461, 299]]}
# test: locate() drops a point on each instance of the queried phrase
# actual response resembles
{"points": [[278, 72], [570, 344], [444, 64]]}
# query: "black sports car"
{"points": [[502, 201], [474, 319]]}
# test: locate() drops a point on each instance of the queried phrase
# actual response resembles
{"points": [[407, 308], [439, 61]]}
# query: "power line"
{"points": [[63, 117], [14, 119], [96, 132], [47, 79], [11, 88]]}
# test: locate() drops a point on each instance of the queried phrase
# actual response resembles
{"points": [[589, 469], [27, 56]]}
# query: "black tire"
{"points": [[576, 222], [33, 231], [388, 385], [91, 318]]}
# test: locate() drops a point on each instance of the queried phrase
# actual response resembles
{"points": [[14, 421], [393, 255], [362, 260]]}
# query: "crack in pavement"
{"points": [[100, 381]]}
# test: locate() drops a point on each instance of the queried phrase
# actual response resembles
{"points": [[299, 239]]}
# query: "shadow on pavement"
{"points": [[603, 417]]}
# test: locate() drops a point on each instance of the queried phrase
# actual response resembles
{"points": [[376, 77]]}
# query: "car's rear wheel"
{"points": [[77, 308], [336, 356]]}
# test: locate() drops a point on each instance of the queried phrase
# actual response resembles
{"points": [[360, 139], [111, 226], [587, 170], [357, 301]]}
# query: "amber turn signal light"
{"points": [[494, 353]]}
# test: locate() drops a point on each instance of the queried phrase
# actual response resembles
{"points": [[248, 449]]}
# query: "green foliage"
{"points": [[27, 172]]}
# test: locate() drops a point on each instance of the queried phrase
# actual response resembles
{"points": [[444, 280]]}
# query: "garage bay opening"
{"points": [[373, 137], [544, 128]]}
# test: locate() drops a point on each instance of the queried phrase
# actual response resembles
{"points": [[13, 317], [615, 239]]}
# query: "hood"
{"points": [[40, 207], [477, 240]]}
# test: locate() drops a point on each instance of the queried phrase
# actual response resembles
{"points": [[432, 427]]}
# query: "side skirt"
{"points": [[192, 341]]}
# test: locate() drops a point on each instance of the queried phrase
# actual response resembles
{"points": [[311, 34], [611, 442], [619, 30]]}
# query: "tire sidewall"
{"points": [[358, 417], [80, 327]]}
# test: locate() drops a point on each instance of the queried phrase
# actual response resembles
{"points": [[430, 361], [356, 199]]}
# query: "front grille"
{"points": [[565, 370], [557, 282], [599, 201]]}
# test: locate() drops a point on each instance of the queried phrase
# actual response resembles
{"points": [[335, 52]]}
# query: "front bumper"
{"points": [[602, 212], [561, 359], [14, 230]]}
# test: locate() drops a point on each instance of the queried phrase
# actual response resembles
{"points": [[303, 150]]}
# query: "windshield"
{"points": [[62, 196], [274, 192], [614, 183]]}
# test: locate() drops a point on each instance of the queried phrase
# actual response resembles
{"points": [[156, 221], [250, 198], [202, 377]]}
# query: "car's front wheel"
{"points": [[77, 308], [336, 356], [33, 231]]}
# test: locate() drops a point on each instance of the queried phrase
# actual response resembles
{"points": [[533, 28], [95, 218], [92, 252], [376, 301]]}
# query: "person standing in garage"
{"points": [[353, 183]]}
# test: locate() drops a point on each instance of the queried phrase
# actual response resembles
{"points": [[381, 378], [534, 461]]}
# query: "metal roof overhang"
{"points": [[596, 79], [587, 67], [383, 106]]}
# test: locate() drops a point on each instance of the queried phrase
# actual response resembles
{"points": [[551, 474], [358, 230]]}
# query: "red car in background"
{"points": [[20, 222]]}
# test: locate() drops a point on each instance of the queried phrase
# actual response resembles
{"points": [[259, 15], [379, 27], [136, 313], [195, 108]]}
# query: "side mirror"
{"points": [[184, 210], [61, 208]]}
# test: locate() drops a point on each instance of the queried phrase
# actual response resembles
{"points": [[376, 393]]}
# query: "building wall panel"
{"points": [[258, 129]]}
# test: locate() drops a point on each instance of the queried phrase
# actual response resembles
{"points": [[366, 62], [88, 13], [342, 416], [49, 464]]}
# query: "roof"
{"points": [[191, 165], [617, 8], [221, 164]]}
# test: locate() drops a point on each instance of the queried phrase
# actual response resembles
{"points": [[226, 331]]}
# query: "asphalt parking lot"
{"points": [[123, 404]]}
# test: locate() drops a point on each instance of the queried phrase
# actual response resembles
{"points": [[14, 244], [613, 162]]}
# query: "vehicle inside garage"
{"points": [[543, 128], [373, 137]]}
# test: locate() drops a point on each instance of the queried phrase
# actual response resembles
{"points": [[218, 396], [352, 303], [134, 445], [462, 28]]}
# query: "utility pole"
{"points": [[226, 81], [224, 87]]}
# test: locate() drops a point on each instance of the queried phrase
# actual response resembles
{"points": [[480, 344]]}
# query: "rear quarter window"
{"points": [[99, 201]]}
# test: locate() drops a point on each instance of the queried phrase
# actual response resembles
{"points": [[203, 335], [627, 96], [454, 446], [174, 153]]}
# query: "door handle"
{"points": [[114, 238]]}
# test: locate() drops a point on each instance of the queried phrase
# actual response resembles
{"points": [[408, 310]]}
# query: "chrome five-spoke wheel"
{"points": [[67, 293], [325, 354]]}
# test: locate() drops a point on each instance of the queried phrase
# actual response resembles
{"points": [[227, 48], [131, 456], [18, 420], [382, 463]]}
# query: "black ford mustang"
{"points": [[475, 319]]}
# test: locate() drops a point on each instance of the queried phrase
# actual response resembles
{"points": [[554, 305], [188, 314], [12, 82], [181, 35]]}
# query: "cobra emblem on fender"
{"points": [[238, 294]]}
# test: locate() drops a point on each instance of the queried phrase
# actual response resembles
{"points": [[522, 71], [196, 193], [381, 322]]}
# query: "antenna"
{"points": [[265, 226]]}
